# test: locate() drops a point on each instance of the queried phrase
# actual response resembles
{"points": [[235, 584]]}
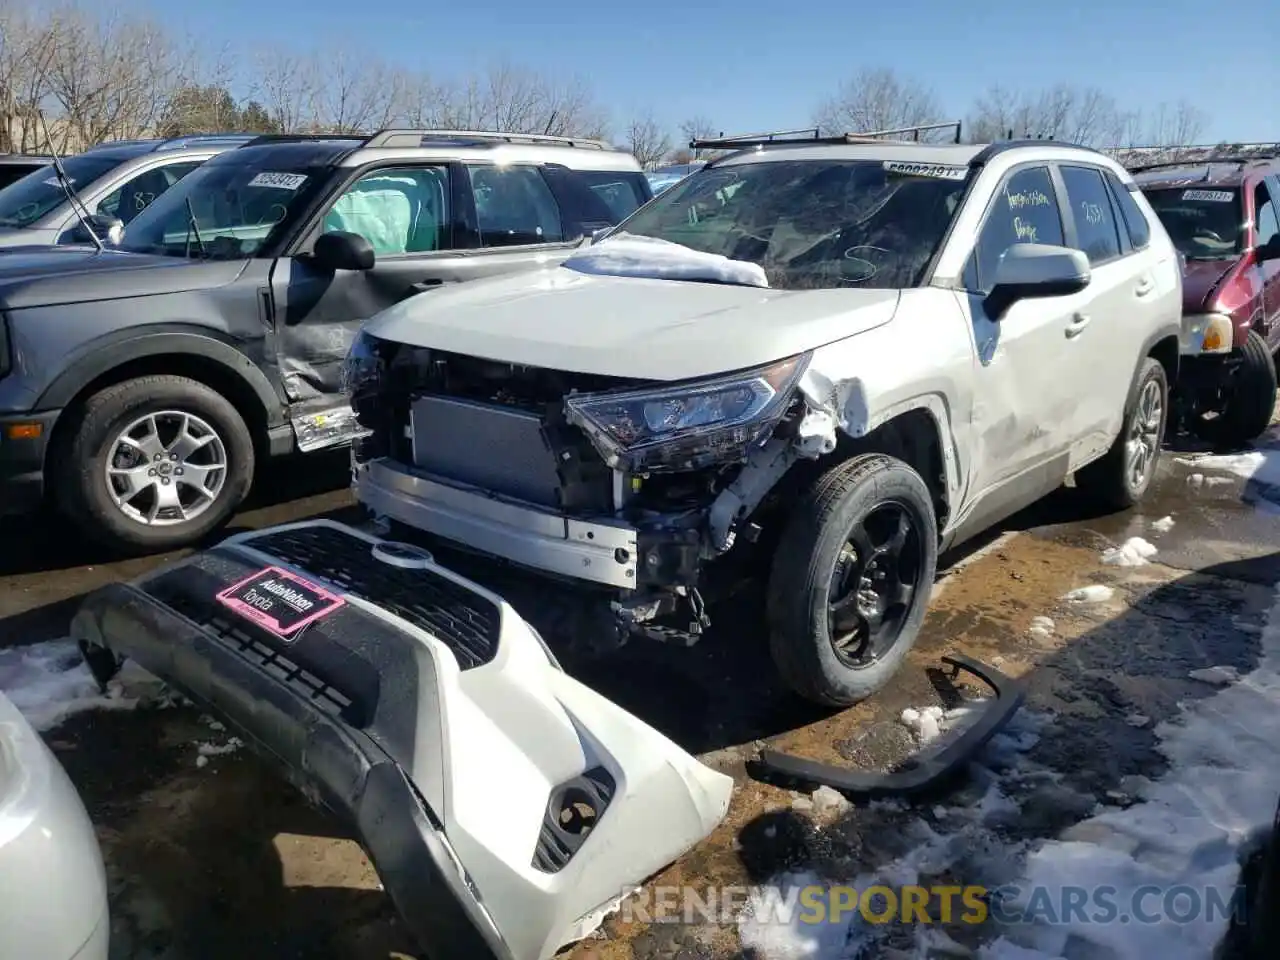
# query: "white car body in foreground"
{"points": [[53, 886]]}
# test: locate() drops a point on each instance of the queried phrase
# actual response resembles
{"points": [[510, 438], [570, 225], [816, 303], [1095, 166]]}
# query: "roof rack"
{"points": [[159, 144], [304, 138], [815, 137], [1236, 161], [418, 138]]}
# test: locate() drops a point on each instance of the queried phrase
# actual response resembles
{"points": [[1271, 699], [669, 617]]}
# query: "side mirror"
{"points": [[1269, 250], [109, 229], [1035, 270], [341, 250]]}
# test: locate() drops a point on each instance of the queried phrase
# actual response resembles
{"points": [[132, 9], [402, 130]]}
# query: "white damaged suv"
{"points": [[844, 356]]}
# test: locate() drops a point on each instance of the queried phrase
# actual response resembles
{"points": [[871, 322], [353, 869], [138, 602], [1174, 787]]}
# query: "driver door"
{"points": [[1024, 400]]}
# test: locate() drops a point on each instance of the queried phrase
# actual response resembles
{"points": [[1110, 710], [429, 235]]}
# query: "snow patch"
{"points": [[1188, 829], [1094, 593], [1163, 525], [1134, 552], [925, 723], [1220, 676], [50, 682], [829, 802], [1041, 628], [627, 255]]}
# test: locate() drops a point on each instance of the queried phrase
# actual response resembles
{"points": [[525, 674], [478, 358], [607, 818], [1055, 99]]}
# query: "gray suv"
{"points": [[141, 383], [117, 180]]}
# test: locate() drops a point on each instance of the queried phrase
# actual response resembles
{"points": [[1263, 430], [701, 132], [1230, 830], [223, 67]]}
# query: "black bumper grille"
{"points": [[238, 636], [463, 620]]}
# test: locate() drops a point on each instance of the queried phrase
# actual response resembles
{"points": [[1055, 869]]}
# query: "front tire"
{"points": [[1121, 477], [851, 578], [154, 464], [1251, 400]]}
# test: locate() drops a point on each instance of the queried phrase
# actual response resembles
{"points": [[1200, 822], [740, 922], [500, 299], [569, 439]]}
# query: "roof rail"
{"points": [[1236, 161], [815, 137], [263, 138], [129, 142], [205, 140], [417, 138]]}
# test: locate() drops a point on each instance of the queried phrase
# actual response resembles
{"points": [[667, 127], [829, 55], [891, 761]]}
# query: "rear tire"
{"points": [[1251, 401], [833, 564], [1114, 479], [154, 464]]}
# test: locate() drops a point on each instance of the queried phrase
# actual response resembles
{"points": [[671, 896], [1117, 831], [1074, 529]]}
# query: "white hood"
{"points": [[647, 329]]}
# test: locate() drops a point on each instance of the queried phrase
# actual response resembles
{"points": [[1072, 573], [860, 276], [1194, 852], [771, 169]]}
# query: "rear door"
{"points": [[1101, 344], [430, 223], [1266, 203]]}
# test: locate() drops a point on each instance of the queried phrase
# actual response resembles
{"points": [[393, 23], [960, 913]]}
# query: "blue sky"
{"points": [[762, 64]]}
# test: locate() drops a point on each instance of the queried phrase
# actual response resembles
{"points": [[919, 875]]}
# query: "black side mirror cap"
{"points": [[342, 250], [1269, 250]]}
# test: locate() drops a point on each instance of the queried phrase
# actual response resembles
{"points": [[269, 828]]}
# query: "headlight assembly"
{"points": [[1206, 333], [688, 425]]}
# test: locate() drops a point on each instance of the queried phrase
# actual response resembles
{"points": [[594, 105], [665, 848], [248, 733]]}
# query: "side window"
{"points": [[1025, 210], [1264, 215], [1134, 221], [137, 194], [398, 210], [1091, 211], [514, 206]]}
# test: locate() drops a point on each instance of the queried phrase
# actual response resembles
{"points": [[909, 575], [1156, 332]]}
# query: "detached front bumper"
{"points": [[423, 711], [53, 887], [599, 552]]}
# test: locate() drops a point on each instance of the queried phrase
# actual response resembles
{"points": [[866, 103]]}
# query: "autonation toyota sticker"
{"points": [[943, 171], [280, 601]]}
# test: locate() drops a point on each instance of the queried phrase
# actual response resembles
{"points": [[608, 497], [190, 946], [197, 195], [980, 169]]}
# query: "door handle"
{"points": [[1078, 322], [1145, 286]]}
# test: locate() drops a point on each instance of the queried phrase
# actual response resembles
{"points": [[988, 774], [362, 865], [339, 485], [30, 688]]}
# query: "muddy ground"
{"points": [[218, 858]]}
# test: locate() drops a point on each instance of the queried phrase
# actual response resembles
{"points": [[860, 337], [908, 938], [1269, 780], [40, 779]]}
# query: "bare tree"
{"points": [[28, 48], [356, 92], [286, 84], [1175, 125], [1078, 115], [647, 141], [877, 99], [514, 99]]}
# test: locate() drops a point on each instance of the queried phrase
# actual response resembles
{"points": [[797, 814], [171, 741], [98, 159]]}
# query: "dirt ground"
{"points": [[213, 856]]}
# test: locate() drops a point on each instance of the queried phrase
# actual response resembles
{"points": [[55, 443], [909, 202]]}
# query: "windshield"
{"points": [[237, 207], [38, 194], [813, 224], [1204, 224], [622, 193]]}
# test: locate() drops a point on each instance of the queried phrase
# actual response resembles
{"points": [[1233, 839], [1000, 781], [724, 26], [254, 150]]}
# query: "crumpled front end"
{"points": [[503, 804]]}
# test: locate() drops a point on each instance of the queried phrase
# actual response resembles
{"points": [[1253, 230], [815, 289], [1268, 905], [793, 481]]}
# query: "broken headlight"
{"points": [[689, 425]]}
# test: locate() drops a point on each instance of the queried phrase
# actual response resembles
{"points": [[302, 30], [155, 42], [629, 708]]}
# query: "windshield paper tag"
{"points": [[1212, 196], [942, 171], [282, 181]]}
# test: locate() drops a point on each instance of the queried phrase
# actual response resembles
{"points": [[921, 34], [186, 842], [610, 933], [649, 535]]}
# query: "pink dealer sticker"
{"points": [[280, 601]]}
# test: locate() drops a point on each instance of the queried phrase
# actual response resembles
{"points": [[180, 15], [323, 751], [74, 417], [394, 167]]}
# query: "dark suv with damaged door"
{"points": [[141, 384], [1221, 213]]}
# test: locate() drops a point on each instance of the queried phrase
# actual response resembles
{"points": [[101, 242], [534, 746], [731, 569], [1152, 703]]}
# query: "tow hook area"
{"points": [[505, 806], [923, 775]]}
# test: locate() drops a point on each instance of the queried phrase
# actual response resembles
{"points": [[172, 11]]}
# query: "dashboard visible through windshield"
{"points": [[223, 211], [1203, 223], [38, 194], [813, 223]]}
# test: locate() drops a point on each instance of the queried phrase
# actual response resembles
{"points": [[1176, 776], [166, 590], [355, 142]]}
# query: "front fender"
{"points": [[103, 354]]}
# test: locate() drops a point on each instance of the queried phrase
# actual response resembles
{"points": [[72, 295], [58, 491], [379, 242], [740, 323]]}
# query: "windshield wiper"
{"points": [[73, 198], [193, 227]]}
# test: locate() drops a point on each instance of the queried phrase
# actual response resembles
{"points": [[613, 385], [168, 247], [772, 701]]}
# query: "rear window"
{"points": [[622, 193], [1204, 223]]}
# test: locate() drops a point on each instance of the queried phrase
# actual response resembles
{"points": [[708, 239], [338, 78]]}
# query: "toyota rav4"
{"points": [[848, 355]]}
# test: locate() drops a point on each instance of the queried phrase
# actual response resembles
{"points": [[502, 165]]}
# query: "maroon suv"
{"points": [[1221, 213]]}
